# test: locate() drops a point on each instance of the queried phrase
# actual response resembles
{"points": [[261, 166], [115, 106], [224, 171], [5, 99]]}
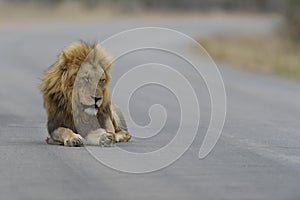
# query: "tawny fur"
{"points": [[58, 82]]}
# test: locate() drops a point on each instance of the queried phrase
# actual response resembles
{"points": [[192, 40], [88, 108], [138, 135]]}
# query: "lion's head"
{"points": [[80, 75], [91, 85]]}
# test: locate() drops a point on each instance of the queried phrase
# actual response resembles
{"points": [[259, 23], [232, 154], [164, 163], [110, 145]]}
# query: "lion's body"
{"points": [[58, 92]]}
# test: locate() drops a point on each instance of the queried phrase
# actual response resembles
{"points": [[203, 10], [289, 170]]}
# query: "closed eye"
{"points": [[86, 79]]}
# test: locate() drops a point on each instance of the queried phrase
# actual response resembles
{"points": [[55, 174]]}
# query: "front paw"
{"points": [[122, 136], [107, 139], [74, 141]]}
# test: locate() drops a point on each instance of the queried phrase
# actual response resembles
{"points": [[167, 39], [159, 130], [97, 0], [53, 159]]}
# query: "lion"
{"points": [[77, 99]]}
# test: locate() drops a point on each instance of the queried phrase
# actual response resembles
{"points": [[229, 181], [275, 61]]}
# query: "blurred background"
{"points": [[280, 47]]}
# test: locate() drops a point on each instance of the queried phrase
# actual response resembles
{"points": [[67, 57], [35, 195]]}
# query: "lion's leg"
{"points": [[65, 136], [120, 136], [119, 124], [100, 137]]}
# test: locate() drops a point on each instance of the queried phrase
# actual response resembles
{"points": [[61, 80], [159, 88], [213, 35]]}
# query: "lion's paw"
{"points": [[75, 141], [107, 140], [122, 136]]}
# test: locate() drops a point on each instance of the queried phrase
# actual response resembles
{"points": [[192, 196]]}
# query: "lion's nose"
{"points": [[97, 98]]}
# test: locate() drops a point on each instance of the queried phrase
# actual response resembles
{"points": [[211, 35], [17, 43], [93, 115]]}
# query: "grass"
{"points": [[268, 52]]}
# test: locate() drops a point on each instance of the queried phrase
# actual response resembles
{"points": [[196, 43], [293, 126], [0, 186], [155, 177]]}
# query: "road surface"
{"points": [[257, 156]]}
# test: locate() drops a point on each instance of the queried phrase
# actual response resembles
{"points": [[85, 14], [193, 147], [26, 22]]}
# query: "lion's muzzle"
{"points": [[92, 109]]}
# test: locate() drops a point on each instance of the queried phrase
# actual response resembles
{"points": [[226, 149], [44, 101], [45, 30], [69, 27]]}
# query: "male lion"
{"points": [[77, 99]]}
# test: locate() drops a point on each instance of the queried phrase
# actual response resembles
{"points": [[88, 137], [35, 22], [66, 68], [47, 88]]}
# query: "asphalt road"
{"points": [[257, 156]]}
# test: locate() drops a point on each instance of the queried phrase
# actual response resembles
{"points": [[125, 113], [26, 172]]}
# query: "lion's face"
{"points": [[91, 85]]}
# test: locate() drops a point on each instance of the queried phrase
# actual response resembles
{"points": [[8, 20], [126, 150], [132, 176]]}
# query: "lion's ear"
{"points": [[102, 57]]}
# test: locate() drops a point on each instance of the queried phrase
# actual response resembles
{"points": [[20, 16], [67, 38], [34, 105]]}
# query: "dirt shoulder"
{"points": [[271, 52]]}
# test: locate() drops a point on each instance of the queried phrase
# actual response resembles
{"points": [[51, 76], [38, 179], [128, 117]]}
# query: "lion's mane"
{"points": [[58, 82]]}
